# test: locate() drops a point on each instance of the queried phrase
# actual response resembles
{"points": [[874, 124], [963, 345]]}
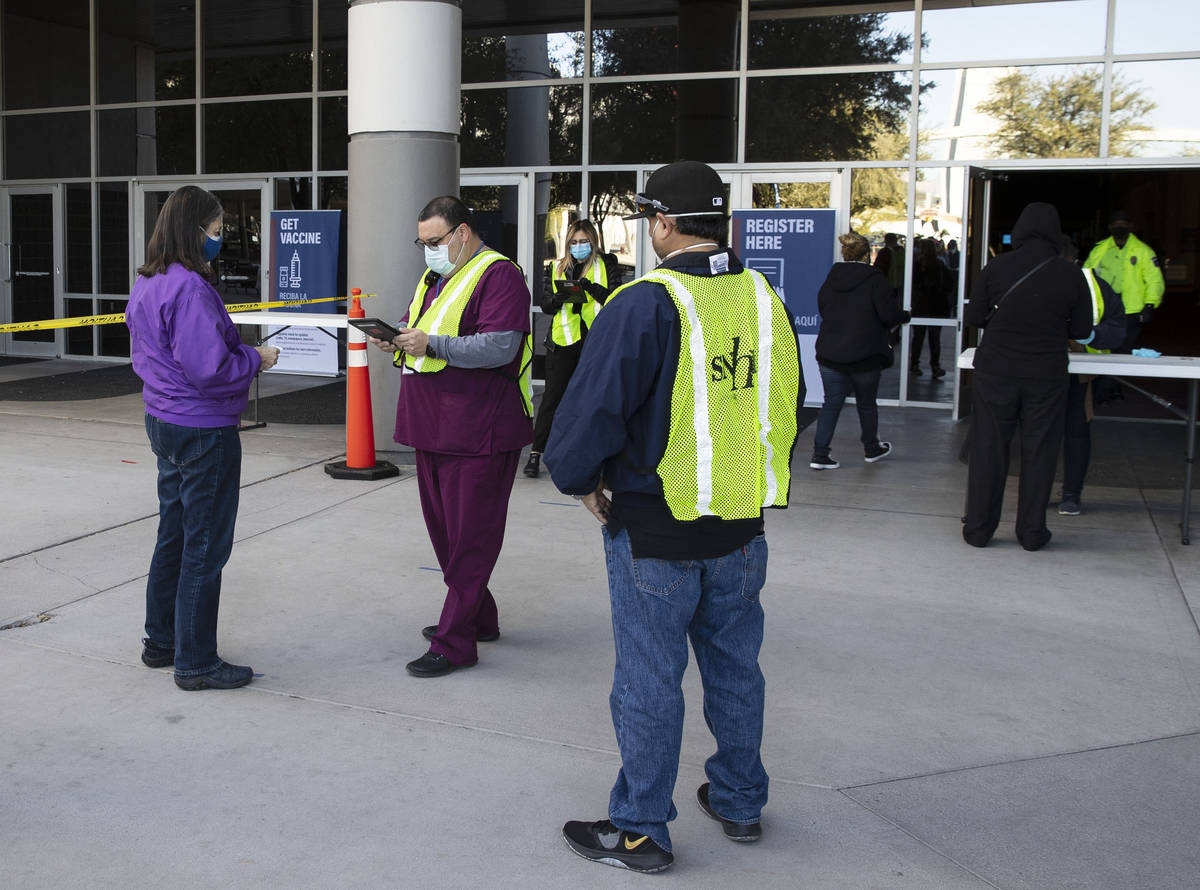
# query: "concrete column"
{"points": [[403, 116]]}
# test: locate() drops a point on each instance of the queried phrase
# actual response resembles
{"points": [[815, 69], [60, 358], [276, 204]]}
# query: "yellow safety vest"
{"points": [[444, 316], [733, 404], [1132, 271], [1097, 304], [566, 327]]}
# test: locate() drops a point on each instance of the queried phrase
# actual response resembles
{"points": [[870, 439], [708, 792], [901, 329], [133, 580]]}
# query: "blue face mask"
{"points": [[212, 246], [581, 252]]}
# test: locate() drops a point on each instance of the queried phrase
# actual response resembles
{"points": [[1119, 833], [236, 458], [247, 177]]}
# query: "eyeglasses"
{"points": [[646, 205], [436, 242]]}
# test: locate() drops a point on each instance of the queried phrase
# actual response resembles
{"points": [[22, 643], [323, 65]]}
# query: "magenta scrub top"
{"points": [[472, 411]]}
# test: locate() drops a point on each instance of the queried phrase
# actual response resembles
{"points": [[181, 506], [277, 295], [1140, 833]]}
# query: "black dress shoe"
{"points": [[432, 664], [735, 831], [428, 632], [155, 656], [533, 465], [226, 676]]}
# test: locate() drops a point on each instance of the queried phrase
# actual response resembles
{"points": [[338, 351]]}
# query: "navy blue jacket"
{"points": [[613, 420]]}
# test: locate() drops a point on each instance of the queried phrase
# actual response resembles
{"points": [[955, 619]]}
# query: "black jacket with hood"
{"points": [[857, 307], [1027, 336]]}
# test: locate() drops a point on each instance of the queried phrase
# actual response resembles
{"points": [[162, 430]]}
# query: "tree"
{"points": [[1059, 116]]}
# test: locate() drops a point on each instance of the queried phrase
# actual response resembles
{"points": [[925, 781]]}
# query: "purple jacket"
{"points": [[195, 368]]}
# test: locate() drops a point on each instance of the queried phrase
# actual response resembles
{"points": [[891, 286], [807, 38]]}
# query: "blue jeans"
{"points": [[199, 472], [657, 605], [838, 385]]}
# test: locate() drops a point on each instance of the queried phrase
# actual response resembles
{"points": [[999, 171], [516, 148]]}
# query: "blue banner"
{"points": [[794, 250], [305, 250]]}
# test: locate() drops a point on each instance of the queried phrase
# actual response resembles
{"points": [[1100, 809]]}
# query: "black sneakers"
{"points": [[226, 676], [533, 465], [155, 656], [735, 831], [604, 842], [823, 462], [878, 451], [1069, 505]]}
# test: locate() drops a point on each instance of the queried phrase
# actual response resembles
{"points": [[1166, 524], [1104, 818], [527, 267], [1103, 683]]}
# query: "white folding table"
{"points": [[1181, 367]]}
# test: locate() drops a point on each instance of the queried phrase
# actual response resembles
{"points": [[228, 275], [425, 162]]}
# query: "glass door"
{"points": [[32, 258], [976, 251], [241, 277]]}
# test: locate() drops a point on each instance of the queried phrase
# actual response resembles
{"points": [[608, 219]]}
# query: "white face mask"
{"points": [[438, 258]]}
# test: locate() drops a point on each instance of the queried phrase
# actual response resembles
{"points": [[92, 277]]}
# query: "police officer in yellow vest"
{"points": [[683, 407], [1131, 268], [576, 287], [465, 409]]}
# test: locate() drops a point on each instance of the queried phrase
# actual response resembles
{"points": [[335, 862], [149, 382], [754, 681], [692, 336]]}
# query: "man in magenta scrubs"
{"points": [[465, 408]]}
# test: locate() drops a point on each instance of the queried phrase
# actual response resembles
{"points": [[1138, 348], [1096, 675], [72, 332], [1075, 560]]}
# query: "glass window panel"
{"points": [[257, 46], [293, 193], [1154, 110], [47, 146], [147, 141], [114, 338], [334, 193], [526, 126], [333, 29], [78, 200], [1155, 26], [249, 137], [335, 141], [664, 38], [1049, 111], [878, 202], [661, 121], [50, 39], [791, 195], [1024, 30], [807, 41], [828, 117], [147, 50], [79, 340], [521, 41], [610, 197], [114, 239]]}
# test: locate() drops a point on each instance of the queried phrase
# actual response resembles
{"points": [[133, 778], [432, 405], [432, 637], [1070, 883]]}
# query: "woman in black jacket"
{"points": [[858, 308], [1030, 302], [597, 275]]}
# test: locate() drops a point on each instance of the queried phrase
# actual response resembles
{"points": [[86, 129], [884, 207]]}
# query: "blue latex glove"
{"points": [[1146, 353], [1090, 338]]}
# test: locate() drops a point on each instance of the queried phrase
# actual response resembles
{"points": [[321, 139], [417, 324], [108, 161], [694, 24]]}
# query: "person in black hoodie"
{"points": [[1030, 303], [858, 308]]}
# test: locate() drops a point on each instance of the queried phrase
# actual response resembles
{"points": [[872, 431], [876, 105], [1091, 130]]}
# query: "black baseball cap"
{"points": [[685, 188]]}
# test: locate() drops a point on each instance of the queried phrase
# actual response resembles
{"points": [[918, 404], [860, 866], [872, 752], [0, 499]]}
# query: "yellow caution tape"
{"points": [[82, 321]]}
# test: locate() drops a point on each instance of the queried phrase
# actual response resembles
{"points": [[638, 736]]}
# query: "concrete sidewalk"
{"points": [[937, 716]]}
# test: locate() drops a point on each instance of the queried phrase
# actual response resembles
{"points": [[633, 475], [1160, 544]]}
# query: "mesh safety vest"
{"points": [[444, 316], [1097, 303], [566, 328], [733, 404]]}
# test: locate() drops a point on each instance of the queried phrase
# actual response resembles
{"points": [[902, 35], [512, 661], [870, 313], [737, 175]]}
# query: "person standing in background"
{"points": [[930, 286], [1131, 268], [196, 373], [596, 274]]}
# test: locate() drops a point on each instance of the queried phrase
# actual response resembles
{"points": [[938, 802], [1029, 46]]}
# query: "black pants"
{"points": [[1077, 438], [561, 362], [999, 406], [935, 345]]}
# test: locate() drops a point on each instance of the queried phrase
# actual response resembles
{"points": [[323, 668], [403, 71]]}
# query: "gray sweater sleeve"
{"points": [[491, 349]]}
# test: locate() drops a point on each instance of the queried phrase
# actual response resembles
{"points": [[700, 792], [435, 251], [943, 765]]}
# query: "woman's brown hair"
{"points": [[584, 227], [179, 232], [854, 247]]}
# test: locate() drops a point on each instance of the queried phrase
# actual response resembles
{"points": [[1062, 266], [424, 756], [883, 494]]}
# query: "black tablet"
{"points": [[375, 327], [570, 291]]}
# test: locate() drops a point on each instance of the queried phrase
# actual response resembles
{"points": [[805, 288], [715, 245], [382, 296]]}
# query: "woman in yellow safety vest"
{"points": [[576, 287]]}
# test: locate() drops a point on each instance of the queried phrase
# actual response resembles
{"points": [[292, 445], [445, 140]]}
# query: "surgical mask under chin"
{"points": [[580, 252], [212, 246]]}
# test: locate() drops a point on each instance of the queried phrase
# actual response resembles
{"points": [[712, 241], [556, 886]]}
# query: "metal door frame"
{"points": [[525, 216], [8, 345]]}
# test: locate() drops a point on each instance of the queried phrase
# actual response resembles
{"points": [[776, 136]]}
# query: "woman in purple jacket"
{"points": [[197, 374]]}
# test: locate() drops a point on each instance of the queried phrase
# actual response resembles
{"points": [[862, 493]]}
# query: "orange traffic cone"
{"points": [[360, 460]]}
